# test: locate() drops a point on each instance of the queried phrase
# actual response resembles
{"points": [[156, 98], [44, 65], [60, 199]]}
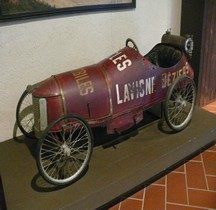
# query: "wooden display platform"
{"points": [[112, 171]]}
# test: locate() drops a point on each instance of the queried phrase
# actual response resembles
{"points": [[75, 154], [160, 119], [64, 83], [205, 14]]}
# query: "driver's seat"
{"points": [[164, 55]]}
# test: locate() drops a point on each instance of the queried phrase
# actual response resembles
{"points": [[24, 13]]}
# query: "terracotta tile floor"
{"points": [[192, 186]]}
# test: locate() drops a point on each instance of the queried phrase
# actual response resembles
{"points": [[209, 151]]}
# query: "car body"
{"points": [[112, 93]]}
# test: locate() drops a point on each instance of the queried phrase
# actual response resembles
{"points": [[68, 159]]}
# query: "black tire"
{"points": [[179, 103], [63, 156], [25, 114]]}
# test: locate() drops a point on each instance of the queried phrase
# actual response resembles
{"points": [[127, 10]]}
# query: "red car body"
{"points": [[112, 93]]}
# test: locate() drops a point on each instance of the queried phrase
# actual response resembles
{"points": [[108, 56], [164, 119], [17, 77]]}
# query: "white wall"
{"points": [[33, 50]]}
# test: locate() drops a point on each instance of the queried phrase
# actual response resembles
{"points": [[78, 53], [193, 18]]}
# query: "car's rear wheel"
{"points": [[25, 115], [64, 150], [179, 104]]}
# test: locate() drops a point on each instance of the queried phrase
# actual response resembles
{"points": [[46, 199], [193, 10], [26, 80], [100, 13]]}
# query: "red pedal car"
{"points": [[62, 110]]}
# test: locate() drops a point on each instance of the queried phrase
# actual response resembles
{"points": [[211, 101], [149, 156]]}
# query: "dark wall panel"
{"points": [[207, 82], [199, 18]]}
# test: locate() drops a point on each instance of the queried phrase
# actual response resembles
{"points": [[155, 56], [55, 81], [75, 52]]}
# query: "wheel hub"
{"points": [[184, 103], [66, 150], [181, 102]]}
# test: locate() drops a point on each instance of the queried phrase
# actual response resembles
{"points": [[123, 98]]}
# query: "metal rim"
{"points": [[179, 104], [25, 114], [63, 156]]}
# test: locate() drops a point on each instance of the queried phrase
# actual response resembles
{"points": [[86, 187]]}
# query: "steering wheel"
{"points": [[131, 43]]}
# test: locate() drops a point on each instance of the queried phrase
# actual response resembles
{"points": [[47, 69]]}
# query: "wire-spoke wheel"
{"points": [[64, 150], [180, 103], [25, 115]]}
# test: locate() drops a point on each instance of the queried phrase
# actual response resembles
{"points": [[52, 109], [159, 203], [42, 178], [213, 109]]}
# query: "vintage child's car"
{"points": [[62, 110]]}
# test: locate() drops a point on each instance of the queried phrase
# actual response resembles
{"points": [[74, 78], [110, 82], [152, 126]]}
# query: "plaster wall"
{"points": [[33, 50]]}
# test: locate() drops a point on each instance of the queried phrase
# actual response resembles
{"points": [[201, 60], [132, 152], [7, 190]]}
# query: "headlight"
{"points": [[43, 113], [40, 115]]}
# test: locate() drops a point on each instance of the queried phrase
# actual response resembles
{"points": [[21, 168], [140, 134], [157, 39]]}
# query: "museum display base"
{"points": [[112, 172]]}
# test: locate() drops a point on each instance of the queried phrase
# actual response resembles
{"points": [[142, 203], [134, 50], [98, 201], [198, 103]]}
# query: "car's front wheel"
{"points": [[64, 150]]}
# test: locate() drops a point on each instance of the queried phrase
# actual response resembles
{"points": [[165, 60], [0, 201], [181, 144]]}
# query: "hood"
{"points": [[47, 88]]}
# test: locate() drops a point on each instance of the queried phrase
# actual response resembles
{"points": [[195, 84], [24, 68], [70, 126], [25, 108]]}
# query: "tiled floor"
{"points": [[192, 186]]}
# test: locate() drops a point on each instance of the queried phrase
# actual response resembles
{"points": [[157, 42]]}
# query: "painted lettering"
{"points": [[134, 90], [84, 84], [169, 77], [119, 58], [121, 61], [119, 101], [142, 91], [112, 57], [122, 66], [86, 88]]}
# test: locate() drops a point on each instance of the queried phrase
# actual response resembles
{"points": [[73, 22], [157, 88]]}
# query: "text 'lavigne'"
{"points": [[134, 90]]}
